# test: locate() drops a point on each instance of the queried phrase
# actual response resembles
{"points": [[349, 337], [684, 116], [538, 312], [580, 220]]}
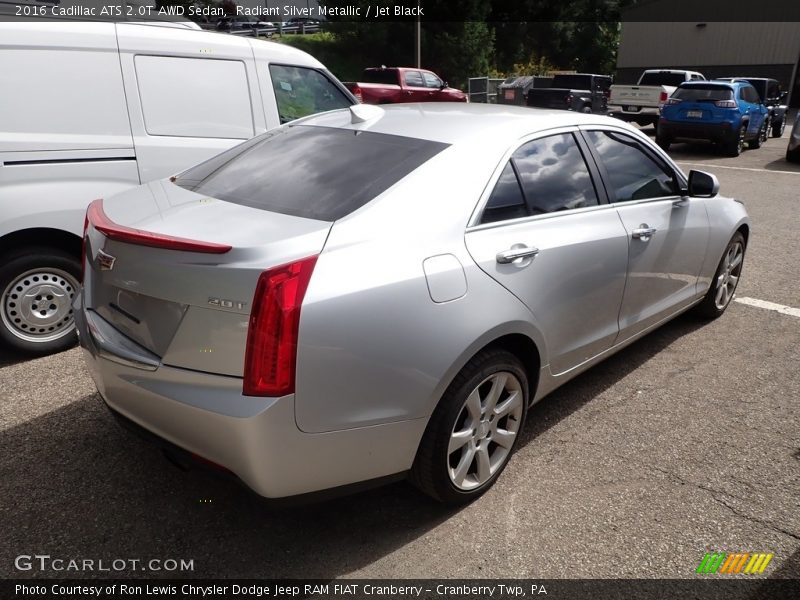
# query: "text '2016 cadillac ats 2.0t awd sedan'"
{"points": [[376, 292]]}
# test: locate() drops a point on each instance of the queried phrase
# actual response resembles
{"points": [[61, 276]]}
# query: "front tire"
{"points": [[37, 287], [663, 143], [779, 127], [474, 429], [726, 278]]}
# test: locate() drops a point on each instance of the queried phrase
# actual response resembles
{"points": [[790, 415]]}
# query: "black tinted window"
{"points": [[703, 93], [749, 94], [384, 76], [314, 172], [554, 175], [300, 92], [672, 79], [632, 173], [506, 201]]}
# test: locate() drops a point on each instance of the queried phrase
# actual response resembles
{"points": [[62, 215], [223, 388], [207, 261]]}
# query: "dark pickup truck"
{"points": [[580, 92], [769, 90]]}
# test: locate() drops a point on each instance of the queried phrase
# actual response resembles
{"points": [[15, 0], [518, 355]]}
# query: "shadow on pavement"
{"points": [[74, 484]]}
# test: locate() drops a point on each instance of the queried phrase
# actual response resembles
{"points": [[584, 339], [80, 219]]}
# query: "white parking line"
{"points": [[712, 165], [785, 310]]}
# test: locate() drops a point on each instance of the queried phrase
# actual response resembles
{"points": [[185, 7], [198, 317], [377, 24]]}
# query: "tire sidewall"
{"points": [[708, 307]]}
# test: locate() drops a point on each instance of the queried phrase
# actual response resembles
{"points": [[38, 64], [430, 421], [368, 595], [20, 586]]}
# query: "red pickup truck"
{"points": [[389, 85]]}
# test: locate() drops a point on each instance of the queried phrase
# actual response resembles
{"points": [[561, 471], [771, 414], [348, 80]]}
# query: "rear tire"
{"points": [[663, 143], [793, 155], [777, 128], [586, 108], [760, 138], [726, 279], [37, 287], [474, 430], [735, 147]]}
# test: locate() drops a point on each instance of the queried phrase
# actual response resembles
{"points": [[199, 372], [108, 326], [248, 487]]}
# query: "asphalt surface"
{"points": [[686, 442]]}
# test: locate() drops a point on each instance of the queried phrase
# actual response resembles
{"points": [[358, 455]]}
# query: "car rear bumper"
{"points": [[714, 132], [645, 113], [257, 439]]}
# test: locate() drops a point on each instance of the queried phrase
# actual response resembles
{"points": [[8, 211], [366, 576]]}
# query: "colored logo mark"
{"points": [[735, 562]]}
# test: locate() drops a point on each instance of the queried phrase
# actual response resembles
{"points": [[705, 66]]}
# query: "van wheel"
{"points": [[474, 429], [37, 287]]}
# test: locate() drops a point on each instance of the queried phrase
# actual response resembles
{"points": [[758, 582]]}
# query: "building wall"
{"points": [[768, 49]]}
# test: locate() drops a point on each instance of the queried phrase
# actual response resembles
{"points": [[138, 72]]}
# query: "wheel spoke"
{"points": [[484, 464], [474, 406], [458, 440], [463, 466], [498, 385], [509, 404], [720, 291], [732, 281], [504, 438], [724, 299], [737, 259]]}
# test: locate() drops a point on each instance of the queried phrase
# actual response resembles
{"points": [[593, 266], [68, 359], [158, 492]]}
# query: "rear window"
{"points": [[704, 93], [384, 77], [671, 79], [306, 171]]}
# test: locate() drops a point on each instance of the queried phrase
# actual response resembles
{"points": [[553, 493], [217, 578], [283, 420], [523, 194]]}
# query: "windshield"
{"points": [[704, 93], [306, 171]]}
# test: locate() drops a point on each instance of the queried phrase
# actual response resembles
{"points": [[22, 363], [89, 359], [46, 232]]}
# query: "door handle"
{"points": [[643, 232], [515, 252]]}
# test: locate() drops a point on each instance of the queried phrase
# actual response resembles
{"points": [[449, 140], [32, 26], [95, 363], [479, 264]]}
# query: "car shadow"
{"points": [[75, 485], [782, 165]]}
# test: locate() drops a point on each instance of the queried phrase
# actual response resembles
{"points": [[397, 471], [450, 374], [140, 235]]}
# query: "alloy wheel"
{"points": [[485, 430], [728, 277]]}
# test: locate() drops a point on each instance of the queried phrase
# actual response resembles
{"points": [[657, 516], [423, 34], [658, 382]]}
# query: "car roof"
{"points": [[714, 82], [451, 122]]}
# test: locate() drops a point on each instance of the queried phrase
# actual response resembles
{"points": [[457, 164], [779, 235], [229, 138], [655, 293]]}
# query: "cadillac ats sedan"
{"points": [[375, 293]]}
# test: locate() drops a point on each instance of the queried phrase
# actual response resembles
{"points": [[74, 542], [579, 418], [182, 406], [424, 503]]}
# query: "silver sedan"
{"points": [[376, 293]]}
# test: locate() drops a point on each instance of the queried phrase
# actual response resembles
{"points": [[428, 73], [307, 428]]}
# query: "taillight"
{"points": [[270, 360], [113, 231], [357, 93], [725, 103], [672, 101], [83, 242], [663, 97]]}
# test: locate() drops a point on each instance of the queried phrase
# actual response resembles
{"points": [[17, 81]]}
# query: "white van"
{"points": [[88, 109]]}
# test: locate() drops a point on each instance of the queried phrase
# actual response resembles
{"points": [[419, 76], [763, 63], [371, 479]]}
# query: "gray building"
{"points": [[716, 49]]}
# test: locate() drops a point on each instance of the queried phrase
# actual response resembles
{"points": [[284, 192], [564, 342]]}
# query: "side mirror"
{"points": [[783, 97], [702, 184], [444, 85]]}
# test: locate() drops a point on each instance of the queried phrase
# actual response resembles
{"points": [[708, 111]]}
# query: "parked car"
{"points": [[729, 114], [641, 103], [89, 109], [246, 26], [389, 85], [399, 311], [769, 90], [793, 149], [582, 92]]}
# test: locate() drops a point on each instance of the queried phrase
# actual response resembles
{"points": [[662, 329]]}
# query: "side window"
{"points": [[170, 87], [300, 91], [414, 79], [632, 173], [431, 80], [554, 175], [749, 94], [506, 201], [772, 89]]}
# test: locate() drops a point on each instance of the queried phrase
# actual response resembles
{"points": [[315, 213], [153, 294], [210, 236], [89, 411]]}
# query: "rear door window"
{"points": [[414, 79], [300, 91], [307, 171]]}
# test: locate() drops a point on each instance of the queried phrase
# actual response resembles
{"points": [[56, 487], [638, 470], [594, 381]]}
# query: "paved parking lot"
{"points": [[686, 442]]}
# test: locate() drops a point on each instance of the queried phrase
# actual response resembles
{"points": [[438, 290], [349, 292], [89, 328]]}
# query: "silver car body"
{"points": [[406, 289]]}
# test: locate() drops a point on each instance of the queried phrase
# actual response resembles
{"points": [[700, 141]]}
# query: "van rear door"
{"points": [[191, 95]]}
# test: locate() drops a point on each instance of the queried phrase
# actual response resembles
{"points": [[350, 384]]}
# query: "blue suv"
{"points": [[727, 113]]}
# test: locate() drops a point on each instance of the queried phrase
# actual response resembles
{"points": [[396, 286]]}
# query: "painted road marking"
{"points": [[713, 166], [785, 310]]}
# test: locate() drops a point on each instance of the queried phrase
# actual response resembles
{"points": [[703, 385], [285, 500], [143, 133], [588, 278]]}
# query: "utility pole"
{"points": [[418, 32]]}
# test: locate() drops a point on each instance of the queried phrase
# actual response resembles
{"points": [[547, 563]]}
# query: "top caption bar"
{"points": [[397, 11]]}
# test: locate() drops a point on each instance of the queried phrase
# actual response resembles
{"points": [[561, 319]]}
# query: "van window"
{"points": [[194, 97], [77, 93], [300, 91]]}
